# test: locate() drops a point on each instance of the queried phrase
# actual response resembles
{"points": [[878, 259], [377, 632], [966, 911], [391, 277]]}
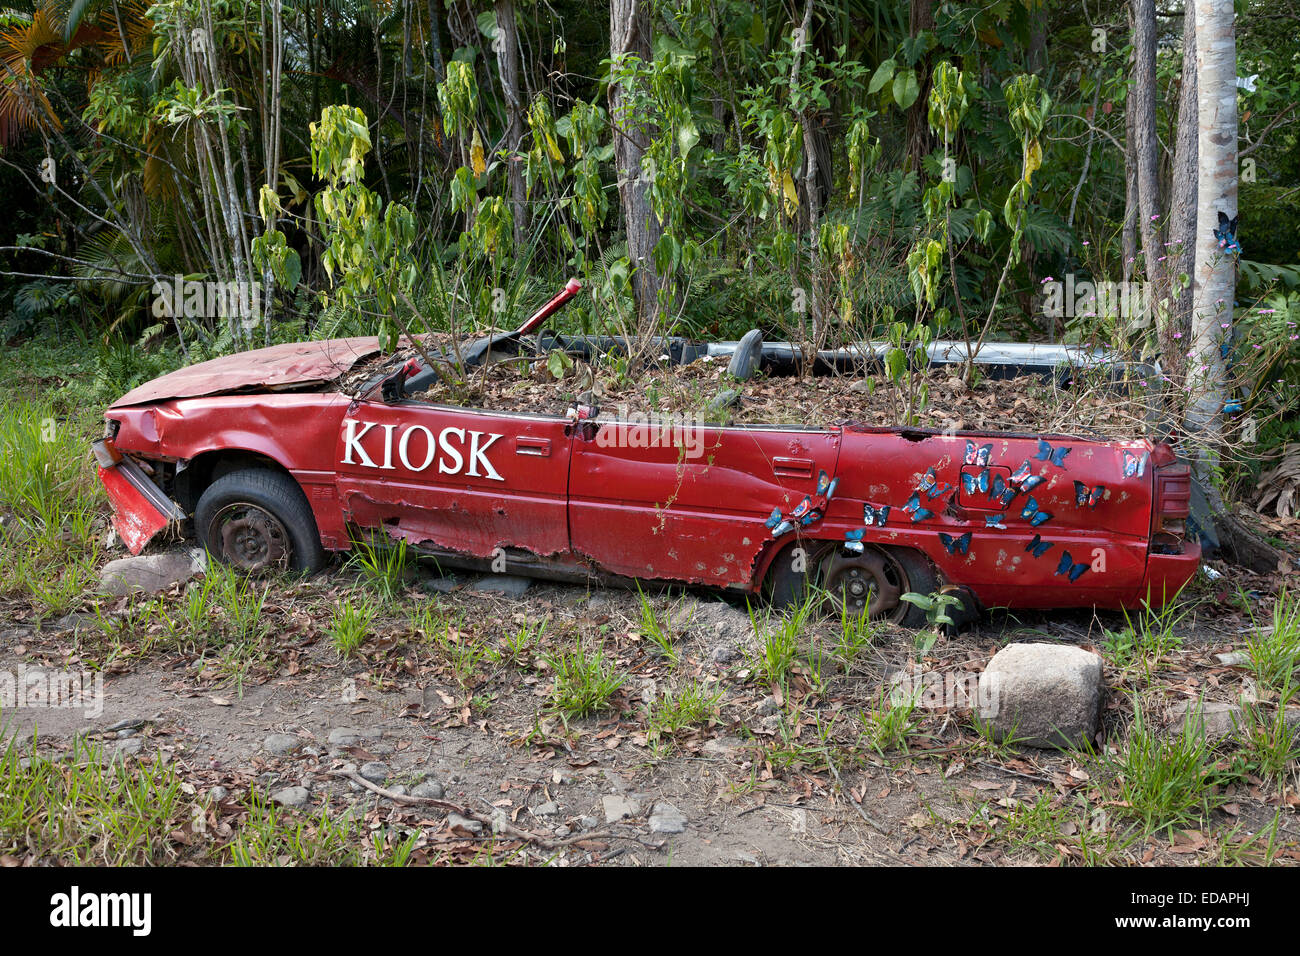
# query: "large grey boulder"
{"points": [[1042, 695], [150, 573]]}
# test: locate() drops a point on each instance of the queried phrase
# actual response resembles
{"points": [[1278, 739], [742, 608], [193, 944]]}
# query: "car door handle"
{"points": [[537, 447], [793, 467]]}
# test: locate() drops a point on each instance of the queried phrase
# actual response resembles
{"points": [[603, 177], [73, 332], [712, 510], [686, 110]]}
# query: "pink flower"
{"points": [[1048, 279]]}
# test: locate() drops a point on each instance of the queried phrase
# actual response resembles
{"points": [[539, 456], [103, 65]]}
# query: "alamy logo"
{"points": [[197, 299], [75, 909], [639, 430], [1071, 298]]}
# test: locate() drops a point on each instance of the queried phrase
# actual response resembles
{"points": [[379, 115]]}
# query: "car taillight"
{"points": [[1171, 505]]}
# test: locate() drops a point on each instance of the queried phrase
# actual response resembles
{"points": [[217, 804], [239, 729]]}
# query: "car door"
{"points": [[688, 502], [455, 479]]}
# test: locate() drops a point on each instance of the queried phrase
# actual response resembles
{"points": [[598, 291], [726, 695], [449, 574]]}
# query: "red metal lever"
{"points": [[571, 288]]}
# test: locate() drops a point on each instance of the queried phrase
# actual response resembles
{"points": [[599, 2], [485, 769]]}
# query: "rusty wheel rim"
{"points": [[250, 538], [872, 580]]}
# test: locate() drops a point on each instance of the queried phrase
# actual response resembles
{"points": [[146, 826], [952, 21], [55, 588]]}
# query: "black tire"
{"points": [[257, 520], [788, 587]]}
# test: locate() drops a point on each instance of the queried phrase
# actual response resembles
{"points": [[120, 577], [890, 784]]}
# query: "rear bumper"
{"points": [[140, 509], [1167, 573]]}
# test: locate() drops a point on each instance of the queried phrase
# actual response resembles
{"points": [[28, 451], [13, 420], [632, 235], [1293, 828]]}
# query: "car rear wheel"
{"points": [[258, 520], [875, 580]]}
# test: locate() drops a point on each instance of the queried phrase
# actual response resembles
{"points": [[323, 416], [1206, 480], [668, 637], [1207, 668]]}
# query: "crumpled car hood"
{"points": [[271, 369]]}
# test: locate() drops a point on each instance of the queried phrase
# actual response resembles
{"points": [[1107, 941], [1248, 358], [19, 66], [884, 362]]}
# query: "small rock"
{"points": [[589, 823], [666, 818], [375, 771], [398, 789], [618, 807], [509, 585], [292, 797], [768, 706], [1233, 658], [1211, 719], [217, 794], [150, 573], [1042, 695], [725, 655], [748, 352], [130, 746], [562, 777], [349, 736], [428, 790], [548, 809], [562, 831], [862, 385], [75, 621], [123, 734], [281, 744], [500, 822], [442, 585], [722, 746], [456, 822]]}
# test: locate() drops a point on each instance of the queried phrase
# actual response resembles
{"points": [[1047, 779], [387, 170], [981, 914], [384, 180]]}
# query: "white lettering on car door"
{"points": [[448, 449], [452, 452], [352, 441], [479, 454], [429, 454]]}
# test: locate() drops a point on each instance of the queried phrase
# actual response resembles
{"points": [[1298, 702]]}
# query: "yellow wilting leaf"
{"points": [[791, 194], [1033, 158], [476, 157]]}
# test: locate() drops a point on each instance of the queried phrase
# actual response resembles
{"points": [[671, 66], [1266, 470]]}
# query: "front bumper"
{"points": [[140, 508]]}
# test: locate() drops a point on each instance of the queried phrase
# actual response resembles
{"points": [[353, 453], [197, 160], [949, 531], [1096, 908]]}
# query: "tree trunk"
{"points": [[1214, 276], [1182, 207], [629, 35], [1129, 239], [1142, 100], [920, 17], [507, 50]]}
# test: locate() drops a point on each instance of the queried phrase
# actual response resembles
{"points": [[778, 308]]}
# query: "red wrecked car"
{"points": [[277, 464]]}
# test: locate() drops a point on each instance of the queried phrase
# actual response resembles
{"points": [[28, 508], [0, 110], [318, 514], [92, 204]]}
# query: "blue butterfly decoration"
{"points": [[978, 456], [1002, 491], [826, 486], [995, 521], [968, 482], [955, 545], [1021, 473], [921, 514], [778, 525], [984, 481], [875, 517], [1033, 515], [853, 540], [804, 508], [1083, 495], [1227, 235], [1055, 456], [1038, 546], [1030, 483], [938, 490], [1069, 568], [927, 480], [1135, 465], [913, 503]]}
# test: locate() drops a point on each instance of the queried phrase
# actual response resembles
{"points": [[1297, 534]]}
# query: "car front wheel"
{"points": [[258, 520]]}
